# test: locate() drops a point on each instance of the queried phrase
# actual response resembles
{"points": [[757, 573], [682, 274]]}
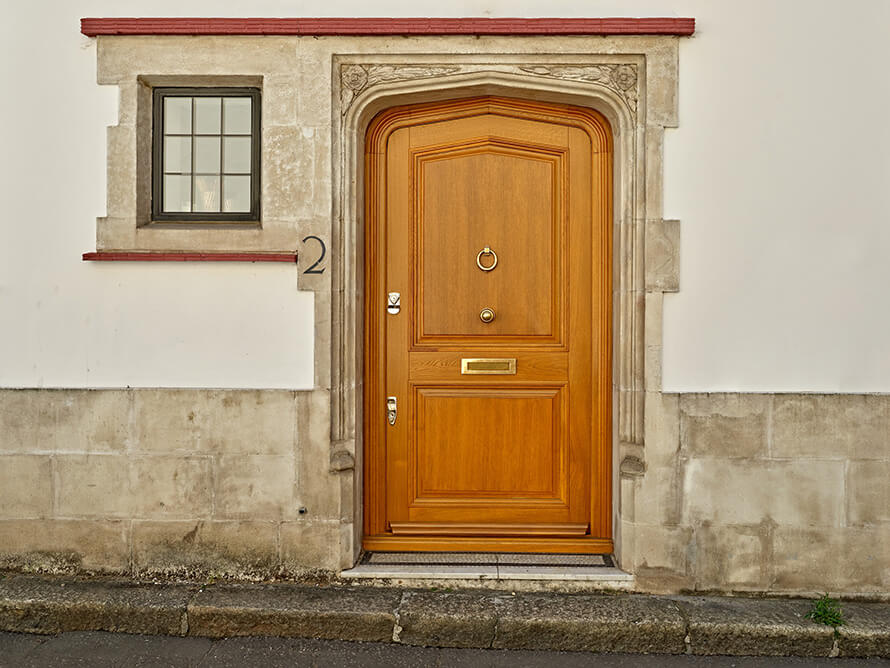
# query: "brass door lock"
{"points": [[392, 410]]}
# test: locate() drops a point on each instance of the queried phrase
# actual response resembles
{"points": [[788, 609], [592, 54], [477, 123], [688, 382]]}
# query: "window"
{"points": [[206, 155]]}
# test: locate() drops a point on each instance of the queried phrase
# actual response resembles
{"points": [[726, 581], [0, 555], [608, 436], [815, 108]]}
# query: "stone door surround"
{"points": [[636, 92]]}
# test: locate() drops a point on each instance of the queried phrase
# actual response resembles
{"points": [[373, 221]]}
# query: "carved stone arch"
{"points": [[613, 86]]}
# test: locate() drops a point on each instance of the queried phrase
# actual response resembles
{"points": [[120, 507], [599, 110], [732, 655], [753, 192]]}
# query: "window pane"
{"points": [[237, 115], [177, 115], [237, 193], [207, 155], [177, 193], [236, 155], [207, 115], [178, 154], [206, 193]]}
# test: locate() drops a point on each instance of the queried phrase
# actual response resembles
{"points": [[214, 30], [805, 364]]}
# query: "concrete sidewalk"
{"points": [[628, 623]]}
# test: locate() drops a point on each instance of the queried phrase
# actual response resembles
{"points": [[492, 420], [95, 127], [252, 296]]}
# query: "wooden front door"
{"points": [[488, 377]]}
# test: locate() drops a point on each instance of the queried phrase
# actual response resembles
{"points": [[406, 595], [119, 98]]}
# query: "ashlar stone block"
{"points": [[663, 550], [93, 486], [226, 421], [868, 492], [18, 421], [246, 549], [25, 486], [815, 560], [64, 546], [310, 545], [252, 422], [83, 420], [733, 557], [280, 100], [121, 171], [839, 425], [287, 172], [124, 58], [257, 487], [663, 255], [168, 486], [64, 420], [318, 488], [654, 171], [724, 425], [748, 491]]}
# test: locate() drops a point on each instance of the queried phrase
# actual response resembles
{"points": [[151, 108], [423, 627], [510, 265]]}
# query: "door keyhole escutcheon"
{"points": [[486, 315], [487, 252]]}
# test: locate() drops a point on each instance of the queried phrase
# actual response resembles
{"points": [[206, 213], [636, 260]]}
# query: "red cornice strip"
{"points": [[164, 256], [386, 26]]}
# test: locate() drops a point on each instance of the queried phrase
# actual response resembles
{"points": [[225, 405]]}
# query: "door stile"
{"points": [[373, 490], [602, 194], [579, 316]]}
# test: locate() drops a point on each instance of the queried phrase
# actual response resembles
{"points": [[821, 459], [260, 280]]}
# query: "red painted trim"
{"points": [[386, 26], [165, 256]]}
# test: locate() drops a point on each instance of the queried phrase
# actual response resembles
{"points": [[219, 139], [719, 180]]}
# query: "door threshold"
{"points": [[491, 570]]}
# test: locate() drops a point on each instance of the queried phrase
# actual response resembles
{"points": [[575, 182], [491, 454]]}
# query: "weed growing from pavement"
{"points": [[827, 610]]}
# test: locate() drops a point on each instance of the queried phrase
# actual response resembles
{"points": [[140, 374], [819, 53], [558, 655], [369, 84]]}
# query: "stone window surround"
{"points": [[631, 80]]}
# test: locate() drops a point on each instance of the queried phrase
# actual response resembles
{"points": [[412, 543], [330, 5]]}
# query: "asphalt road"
{"points": [[98, 650]]}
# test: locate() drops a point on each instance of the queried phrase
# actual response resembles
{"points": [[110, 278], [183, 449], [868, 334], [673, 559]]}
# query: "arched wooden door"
{"points": [[487, 416]]}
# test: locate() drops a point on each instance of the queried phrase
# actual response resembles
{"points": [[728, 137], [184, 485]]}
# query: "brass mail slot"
{"points": [[503, 366]]}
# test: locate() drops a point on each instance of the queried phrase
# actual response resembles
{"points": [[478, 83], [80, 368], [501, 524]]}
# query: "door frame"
{"points": [[645, 247], [597, 128]]}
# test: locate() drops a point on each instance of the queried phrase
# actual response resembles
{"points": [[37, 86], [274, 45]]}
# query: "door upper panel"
{"points": [[489, 216]]}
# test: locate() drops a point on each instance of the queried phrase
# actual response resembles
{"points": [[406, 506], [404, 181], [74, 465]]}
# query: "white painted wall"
{"points": [[780, 174]]}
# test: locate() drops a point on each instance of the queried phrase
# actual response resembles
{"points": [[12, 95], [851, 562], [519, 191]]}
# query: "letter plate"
{"points": [[496, 366]]}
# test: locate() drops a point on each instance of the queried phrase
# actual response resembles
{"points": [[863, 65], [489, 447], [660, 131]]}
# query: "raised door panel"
{"points": [[486, 445], [491, 196]]}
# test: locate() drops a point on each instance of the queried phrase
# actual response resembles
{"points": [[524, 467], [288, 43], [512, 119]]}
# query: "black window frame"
{"points": [[157, 152]]}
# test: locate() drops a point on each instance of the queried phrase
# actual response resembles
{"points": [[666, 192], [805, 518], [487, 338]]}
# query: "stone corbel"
{"points": [[341, 459], [632, 467]]}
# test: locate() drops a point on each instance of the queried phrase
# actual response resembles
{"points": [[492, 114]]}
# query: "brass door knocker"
{"points": [[486, 252]]}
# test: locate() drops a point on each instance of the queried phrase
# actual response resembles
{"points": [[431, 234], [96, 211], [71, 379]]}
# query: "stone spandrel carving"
{"points": [[355, 78], [621, 79]]}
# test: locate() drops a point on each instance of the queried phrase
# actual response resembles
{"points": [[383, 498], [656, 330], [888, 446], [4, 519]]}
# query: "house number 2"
{"points": [[314, 268]]}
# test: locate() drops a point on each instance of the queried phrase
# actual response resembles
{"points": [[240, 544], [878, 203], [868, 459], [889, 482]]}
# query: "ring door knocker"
{"points": [[487, 252], [487, 314]]}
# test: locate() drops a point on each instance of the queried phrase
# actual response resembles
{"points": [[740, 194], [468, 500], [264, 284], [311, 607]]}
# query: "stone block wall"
{"points": [[184, 482], [740, 492], [762, 492]]}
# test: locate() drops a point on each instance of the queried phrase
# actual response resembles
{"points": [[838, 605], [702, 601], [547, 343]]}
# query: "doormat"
{"points": [[485, 559]]}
